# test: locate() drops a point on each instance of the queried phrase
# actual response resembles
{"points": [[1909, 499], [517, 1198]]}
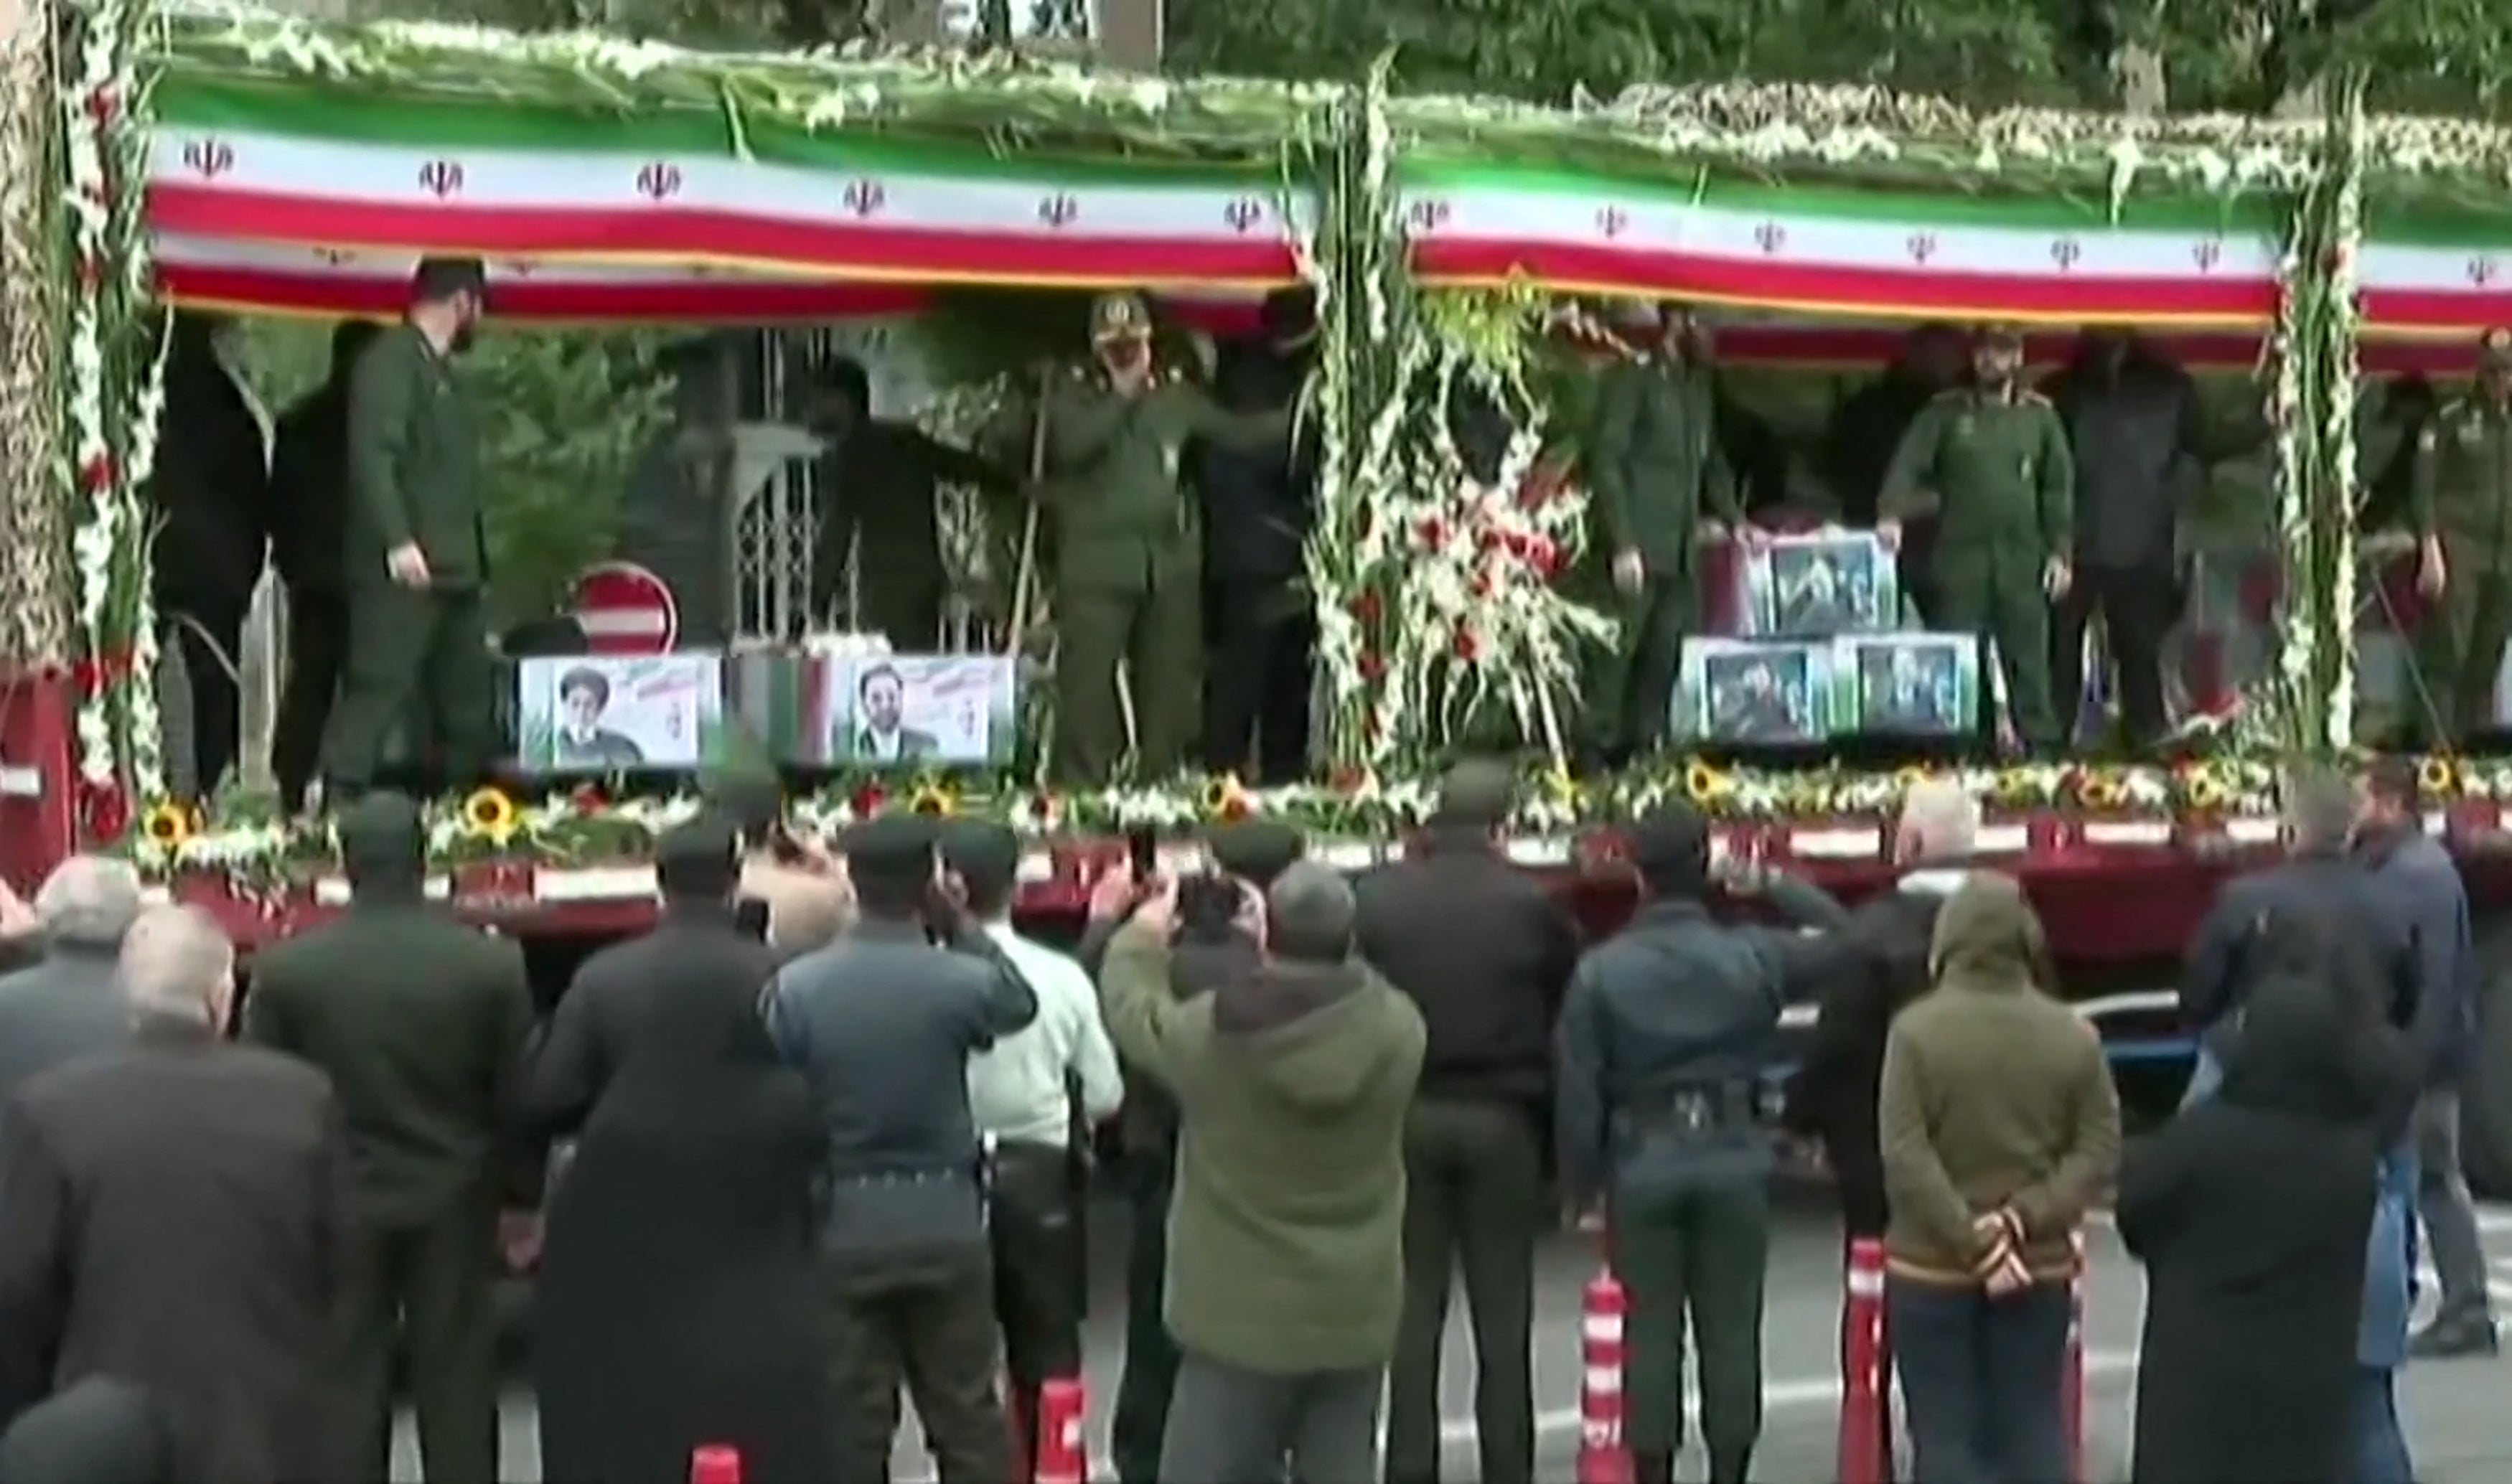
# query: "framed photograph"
{"points": [[582, 714], [1756, 692], [912, 711], [1820, 584], [1913, 685]]}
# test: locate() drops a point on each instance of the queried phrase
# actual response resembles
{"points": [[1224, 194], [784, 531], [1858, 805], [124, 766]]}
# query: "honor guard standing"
{"points": [[1129, 585], [1654, 461], [1990, 462], [2461, 508], [414, 557]]}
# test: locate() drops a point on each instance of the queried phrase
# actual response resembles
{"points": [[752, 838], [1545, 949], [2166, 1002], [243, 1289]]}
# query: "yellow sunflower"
{"points": [[491, 815], [1226, 799], [2440, 776], [168, 825], [933, 797], [2103, 792], [1704, 784], [2205, 789]]}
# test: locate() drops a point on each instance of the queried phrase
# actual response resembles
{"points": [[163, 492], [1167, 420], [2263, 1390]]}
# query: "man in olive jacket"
{"points": [[1286, 1247], [1129, 581], [1990, 463], [420, 1022], [413, 557], [1654, 463], [1999, 1128]]}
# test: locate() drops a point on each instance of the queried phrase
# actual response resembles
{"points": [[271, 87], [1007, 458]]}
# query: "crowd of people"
{"points": [[801, 1156]]}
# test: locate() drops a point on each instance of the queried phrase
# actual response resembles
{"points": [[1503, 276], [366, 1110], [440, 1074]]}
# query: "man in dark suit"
{"points": [[175, 1217], [309, 497], [698, 867], [420, 1022], [65, 1004], [880, 733]]}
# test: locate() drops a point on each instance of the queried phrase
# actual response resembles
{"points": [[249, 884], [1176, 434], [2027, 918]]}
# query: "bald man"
{"points": [[174, 1214]]}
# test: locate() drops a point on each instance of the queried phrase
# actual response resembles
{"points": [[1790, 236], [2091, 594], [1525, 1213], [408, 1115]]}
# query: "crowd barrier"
{"points": [[1865, 1448], [1604, 1454]]}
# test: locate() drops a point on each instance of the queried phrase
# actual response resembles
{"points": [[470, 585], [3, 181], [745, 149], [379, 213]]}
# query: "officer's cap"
{"points": [[1257, 849], [1120, 316], [892, 845], [2494, 348], [980, 849], [2000, 334]]}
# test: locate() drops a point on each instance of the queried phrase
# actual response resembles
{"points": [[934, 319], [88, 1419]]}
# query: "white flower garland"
{"points": [[113, 410]]}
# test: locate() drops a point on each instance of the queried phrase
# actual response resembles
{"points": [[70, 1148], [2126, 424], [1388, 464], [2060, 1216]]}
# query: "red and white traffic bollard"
{"points": [[1061, 1404], [1604, 1456], [715, 1465], [1865, 1450], [2071, 1383]]}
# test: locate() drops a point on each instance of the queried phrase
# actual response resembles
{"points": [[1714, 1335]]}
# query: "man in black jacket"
{"points": [[1882, 966], [419, 1022], [882, 1023], [2318, 880], [209, 496], [697, 937], [309, 493], [1257, 508], [1484, 952], [1664, 1034], [1210, 948]]}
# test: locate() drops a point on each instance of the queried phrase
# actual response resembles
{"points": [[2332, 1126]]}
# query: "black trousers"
{"points": [[1033, 1224], [318, 648], [1693, 1261], [428, 1288], [1474, 1198], [2139, 605], [208, 634], [1263, 643], [925, 1317], [1149, 1377]]}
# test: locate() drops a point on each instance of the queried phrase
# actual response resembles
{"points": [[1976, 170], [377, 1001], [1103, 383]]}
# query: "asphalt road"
{"points": [[2455, 1408]]}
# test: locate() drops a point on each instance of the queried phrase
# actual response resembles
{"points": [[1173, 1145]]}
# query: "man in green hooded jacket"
{"points": [[1129, 558], [2460, 505], [1655, 472], [1991, 462]]}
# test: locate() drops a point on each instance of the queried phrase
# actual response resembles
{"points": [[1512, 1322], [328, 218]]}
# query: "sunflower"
{"points": [[933, 797], [491, 814], [1226, 799], [168, 825], [1704, 784], [2440, 776], [2205, 789], [2101, 792]]}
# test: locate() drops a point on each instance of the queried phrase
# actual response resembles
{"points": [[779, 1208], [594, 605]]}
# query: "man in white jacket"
{"points": [[1035, 1097]]}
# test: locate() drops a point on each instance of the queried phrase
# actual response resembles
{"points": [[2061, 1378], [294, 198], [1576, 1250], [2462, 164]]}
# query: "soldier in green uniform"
{"points": [[1990, 461], [1129, 583], [2460, 506], [413, 557], [1655, 469]]}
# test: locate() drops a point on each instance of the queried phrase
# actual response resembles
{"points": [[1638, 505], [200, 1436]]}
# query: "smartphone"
{"points": [[750, 914], [1143, 853]]}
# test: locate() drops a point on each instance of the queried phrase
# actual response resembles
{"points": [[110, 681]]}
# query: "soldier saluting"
{"points": [[2461, 507], [1990, 461], [1654, 460], [1129, 581]]}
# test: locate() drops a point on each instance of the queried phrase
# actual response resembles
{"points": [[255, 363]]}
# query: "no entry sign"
{"points": [[625, 610]]}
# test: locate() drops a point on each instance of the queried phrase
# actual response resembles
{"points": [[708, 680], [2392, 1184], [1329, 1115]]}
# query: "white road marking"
{"points": [[1800, 1391]]}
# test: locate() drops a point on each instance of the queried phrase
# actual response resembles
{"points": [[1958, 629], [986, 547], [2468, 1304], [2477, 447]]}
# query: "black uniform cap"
{"points": [[1670, 846], [439, 279], [981, 849], [382, 834], [1257, 849], [890, 845], [698, 857]]}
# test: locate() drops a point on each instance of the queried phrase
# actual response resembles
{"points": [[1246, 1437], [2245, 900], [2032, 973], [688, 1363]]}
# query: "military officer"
{"points": [[1990, 462], [1129, 552], [1656, 470], [2461, 508], [414, 553]]}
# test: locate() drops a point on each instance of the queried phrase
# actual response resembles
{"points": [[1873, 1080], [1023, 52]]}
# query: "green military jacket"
{"points": [[1122, 518], [2463, 482], [415, 471], [1653, 462], [1996, 474]]}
